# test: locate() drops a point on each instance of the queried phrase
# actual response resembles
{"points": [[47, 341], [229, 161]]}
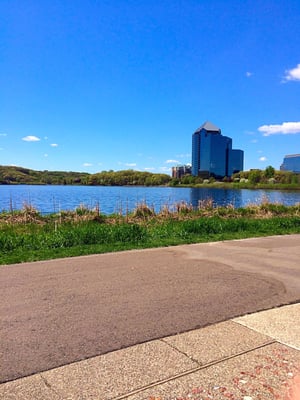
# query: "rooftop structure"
{"points": [[209, 127]]}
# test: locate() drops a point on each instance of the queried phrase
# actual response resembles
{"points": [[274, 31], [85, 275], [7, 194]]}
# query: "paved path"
{"points": [[60, 311], [253, 357]]}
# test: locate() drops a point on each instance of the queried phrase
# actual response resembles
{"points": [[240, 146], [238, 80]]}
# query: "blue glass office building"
{"points": [[212, 153], [291, 163]]}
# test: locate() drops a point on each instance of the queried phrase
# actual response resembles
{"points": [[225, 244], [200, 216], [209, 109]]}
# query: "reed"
{"points": [[27, 235]]}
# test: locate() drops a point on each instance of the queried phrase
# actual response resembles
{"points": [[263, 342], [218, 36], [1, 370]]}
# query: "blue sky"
{"points": [[93, 85]]}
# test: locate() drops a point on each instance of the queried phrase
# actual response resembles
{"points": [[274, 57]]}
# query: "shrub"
{"points": [[143, 210]]}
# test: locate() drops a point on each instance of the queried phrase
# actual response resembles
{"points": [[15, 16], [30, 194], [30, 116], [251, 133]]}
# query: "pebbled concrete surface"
{"points": [[282, 325], [181, 367], [57, 312]]}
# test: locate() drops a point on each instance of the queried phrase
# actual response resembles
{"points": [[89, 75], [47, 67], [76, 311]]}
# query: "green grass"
{"points": [[21, 242]]}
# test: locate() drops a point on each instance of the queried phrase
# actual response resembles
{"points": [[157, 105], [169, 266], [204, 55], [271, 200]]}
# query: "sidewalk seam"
{"points": [[181, 352], [191, 371], [49, 386]]}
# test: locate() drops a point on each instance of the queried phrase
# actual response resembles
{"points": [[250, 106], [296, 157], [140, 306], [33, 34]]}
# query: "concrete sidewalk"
{"points": [[252, 357]]}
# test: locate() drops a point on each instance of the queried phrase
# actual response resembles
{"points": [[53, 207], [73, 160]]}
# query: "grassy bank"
{"points": [[29, 236], [243, 185]]}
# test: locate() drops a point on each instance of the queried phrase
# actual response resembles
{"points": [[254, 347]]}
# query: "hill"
{"points": [[12, 175]]}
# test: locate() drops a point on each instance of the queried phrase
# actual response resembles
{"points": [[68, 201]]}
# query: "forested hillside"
{"points": [[18, 175], [129, 177]]}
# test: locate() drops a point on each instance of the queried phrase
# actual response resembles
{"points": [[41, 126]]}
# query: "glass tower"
{"points": [[212, 153], [291, 163]]}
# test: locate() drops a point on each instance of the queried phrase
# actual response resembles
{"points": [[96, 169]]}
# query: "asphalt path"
{"points": [[60, 311]]}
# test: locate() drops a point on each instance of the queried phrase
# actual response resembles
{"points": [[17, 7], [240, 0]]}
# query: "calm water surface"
{"points": [[49, 199]]}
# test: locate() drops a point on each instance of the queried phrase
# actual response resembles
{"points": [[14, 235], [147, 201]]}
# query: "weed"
{"points": [[87, 231]]}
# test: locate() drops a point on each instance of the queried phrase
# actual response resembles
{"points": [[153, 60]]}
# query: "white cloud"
{"points": [[248, 74], [172, 162], [31, 139], [263, 159], [149, 169], [3, 134], [254, 141], [292, 74], [183, 155], [86, 164], [165, 169], [45, 155], [54, 145], [286, 128], [127, 164]]}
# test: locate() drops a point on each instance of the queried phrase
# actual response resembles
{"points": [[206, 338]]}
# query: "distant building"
{"points": [[181, 170], [212, 153], [291, 163]]}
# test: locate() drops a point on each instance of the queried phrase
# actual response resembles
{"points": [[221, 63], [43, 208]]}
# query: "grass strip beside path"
{"points": [[41, 238]]}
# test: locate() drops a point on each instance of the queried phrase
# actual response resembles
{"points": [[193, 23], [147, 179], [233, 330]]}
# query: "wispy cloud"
{"points": [[248, 74], [54, 145], [254, 141], [183, 155], [263, 158], [286, 128], [292, 74], [127, 164], [149, 169], [171, 161], [3, 134], [31, 139], [165, 169], [87, 164]]}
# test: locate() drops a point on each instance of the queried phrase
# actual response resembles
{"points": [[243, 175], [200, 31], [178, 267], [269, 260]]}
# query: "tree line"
{"points": [[129, 177], [254, 177], [267, 176], [18, 175]]}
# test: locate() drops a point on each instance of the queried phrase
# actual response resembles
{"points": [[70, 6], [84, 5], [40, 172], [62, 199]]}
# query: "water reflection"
{"points": [[49, 199], [220, 197]]}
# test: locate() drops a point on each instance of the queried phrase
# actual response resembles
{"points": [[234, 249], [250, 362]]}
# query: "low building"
{"points": [[291, 162], [181, 170]]}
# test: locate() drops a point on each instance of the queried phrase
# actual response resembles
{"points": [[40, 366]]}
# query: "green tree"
{"points": [[255, 176], [269, 172]]}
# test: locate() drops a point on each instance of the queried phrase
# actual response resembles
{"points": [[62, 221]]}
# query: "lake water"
{"points": [[49, 199]]}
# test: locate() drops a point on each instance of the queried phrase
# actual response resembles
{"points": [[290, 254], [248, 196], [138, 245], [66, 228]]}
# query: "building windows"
{"points": [[181, 170], [291, 163], [212, 153]]}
